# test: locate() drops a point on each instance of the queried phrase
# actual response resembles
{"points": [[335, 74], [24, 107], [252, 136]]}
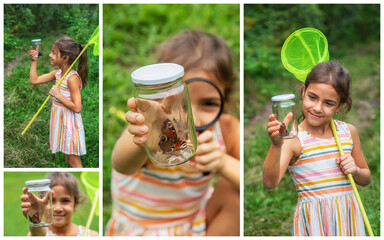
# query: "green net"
{"points": [[90, 182], [302, 50], [94, 39]]}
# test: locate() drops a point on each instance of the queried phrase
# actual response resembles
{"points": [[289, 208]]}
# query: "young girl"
{"points": [[65, 199], [327, 205], [66, 126], [150, 200]]}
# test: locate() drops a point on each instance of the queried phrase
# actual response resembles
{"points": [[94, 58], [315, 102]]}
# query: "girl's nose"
{"points": [[57, 207], [317, 106]]}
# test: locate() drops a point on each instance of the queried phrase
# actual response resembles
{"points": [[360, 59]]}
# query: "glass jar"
{"points": [[162, 98], [37, 42], [284, 108], [40, 196]]}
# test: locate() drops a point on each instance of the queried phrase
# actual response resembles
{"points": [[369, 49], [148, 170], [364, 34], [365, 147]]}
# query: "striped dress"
{"points": [[327, 205], [66, 126], [158, 201]]}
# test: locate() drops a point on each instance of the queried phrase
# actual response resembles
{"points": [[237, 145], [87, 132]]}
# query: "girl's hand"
{"points": [[274, 128], [25, 205], [209, 156], [54, 91], [347, 165], [136, 120], [33, 53], [30, 201]]}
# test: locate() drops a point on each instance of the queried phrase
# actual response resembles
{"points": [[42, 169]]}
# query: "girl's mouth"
{"points": [[314, 115]]}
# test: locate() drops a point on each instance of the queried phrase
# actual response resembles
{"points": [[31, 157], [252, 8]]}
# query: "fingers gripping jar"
{"points": [[162, 98], [37, 43], [284, 108], [40, 197]]}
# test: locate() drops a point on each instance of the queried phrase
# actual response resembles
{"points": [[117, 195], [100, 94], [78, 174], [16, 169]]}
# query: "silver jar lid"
{"points": [[37, 182], [283, 97], [36, 40], [158, 73]]}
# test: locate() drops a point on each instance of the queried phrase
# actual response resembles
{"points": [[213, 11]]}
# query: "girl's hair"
{"points": [[69, 182], [68, 47], [202, 51], [335, 74]]}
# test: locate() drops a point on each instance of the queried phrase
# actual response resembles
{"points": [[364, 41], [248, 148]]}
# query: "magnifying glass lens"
{"points": [[206, 103]]}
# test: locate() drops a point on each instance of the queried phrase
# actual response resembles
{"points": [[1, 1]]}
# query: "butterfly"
{"points": [[35, 218], [169, 141], [283, 130]]}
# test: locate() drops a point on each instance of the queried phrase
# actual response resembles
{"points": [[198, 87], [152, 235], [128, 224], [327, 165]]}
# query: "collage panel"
{"points": [[51, 203], [47, 123], [168, 172], [308, 64]]}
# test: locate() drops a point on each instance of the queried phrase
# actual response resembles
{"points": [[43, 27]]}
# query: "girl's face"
{"points": [[205, 100], [63, 204], [320, 103], [55, 57]]}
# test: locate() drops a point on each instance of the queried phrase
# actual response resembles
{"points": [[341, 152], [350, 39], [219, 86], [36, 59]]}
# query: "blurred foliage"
{"points": [[131, 34], [15, 224], [22, 99], [23, 22], [353, 33]]}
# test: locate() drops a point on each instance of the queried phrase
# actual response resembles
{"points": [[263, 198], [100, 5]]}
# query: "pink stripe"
{"points": [[314, 174], [155, 200]]}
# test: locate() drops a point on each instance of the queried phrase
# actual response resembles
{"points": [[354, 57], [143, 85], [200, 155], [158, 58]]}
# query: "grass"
{"points": [[14, 222], [21, 102], [270, 212], [130, 42]]}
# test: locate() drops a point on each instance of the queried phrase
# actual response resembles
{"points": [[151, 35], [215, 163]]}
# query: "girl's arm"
{"points": [[36, 79], [355, 163], [129, 155], [74, 84], [281, 153]]}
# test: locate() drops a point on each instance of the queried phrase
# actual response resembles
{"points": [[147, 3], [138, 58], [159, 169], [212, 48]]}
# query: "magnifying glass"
{"points": [[207, 103]]}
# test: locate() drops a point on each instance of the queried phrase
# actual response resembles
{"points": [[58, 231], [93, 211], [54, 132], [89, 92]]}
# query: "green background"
{"points": [[22, 23], [15, 224], [353, 33], [131, 34]]}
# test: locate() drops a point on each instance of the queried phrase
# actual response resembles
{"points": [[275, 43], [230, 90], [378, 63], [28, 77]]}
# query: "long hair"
{"points": [[68, 47]]}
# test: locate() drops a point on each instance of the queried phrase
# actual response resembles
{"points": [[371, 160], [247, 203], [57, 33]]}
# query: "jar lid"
{"points": [[36, 40], [38, 182], [283, 97], [157, 73]]}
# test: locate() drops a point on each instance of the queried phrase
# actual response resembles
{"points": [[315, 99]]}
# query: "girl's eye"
{"points": [[330, 104], [211, 104], [311, 97]]}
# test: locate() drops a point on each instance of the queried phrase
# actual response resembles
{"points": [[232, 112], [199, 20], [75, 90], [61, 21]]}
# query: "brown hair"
{"points": [[68, 47], [69, 182], [335, 74], [201, 50]]}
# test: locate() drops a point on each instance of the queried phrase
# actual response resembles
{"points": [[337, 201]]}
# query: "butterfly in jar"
{"points": [[169, 141], [35, 218], [283, 130]]}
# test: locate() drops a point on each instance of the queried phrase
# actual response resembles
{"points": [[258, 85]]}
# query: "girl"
{"points": [[65, 199], [149, 200], [327, 205], [66, 126]]}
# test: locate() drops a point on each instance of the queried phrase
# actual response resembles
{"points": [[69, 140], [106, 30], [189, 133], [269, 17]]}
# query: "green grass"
{"points": [[14, 222], [21, 102], [270, 212], [130, 42]]}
